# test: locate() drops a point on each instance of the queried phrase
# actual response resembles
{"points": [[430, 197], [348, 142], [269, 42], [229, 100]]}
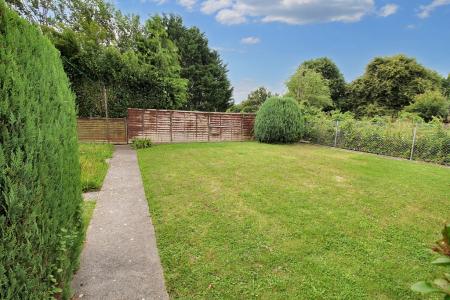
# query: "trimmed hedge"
{"points": [[40, 194], [279, 120]]}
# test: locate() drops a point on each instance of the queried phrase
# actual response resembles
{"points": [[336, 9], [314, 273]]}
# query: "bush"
{"points": [[141, 143], [40, 198], [430, 104], [279, 120]]}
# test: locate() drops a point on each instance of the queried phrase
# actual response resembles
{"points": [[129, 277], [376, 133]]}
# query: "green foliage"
{"points": [[111, 57], [141, 143], [430, 104], [144, 75], [309, 88], [279, 120], [209, 88], [40, 199], [380, 135], [439, 285], [446, 86], [330, 72], [254, 100], [93, 165], [391, 83]]}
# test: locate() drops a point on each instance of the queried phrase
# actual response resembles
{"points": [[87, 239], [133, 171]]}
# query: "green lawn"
{"points": [[248, 220], [93, 164]]}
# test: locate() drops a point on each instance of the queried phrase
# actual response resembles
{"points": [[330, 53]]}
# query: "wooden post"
{"points": [[142, 123], [171, 137], [209, 127], [220, 127], [184, 128], [156, 125], [196, 126], [105, 100], [125, 124], [242, 127]]}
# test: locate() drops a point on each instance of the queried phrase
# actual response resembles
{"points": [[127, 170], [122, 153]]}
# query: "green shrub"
{"points": [[141, 143], [40, 195], [430, 104], [279, 120], [440, 285]]}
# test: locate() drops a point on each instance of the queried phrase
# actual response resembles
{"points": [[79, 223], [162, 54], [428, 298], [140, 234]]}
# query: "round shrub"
{"points": [[40, 193], [279, 120]]}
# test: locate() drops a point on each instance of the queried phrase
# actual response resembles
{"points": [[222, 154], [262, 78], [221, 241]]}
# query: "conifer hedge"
{"points": [[40, 194], [279, 120]]}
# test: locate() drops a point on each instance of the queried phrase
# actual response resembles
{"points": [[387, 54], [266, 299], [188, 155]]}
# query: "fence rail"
{"points": [[103, 130], [175, 126]]}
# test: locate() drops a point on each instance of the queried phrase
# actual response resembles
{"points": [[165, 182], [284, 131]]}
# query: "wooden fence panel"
{"points": [[103, 130], [175, 126]]}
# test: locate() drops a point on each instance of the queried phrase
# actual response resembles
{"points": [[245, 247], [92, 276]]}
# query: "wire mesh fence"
{"points": [[425, 141]]}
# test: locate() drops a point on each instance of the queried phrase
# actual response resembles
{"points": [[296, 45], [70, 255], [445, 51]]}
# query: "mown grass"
{"points": [[93, 164], [248, 220]]}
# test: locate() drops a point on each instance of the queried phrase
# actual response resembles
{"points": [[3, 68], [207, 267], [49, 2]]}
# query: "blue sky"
{"points": [[263, 41]]}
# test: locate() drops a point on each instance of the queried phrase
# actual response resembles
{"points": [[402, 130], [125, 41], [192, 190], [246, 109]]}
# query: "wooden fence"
{"points": [[174, 126], [103, 130]]}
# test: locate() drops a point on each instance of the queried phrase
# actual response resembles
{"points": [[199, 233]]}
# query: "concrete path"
{"points": [[120, 259]]}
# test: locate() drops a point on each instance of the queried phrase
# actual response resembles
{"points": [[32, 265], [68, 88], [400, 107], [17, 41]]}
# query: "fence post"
{"points": [[336, 134], [209, 126], [171, 135], [242, 128], [142, 121], [413, 142]]}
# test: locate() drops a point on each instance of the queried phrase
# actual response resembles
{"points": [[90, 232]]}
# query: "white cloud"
{"points": [[230, 17], [250, 40], [189, 4], [426, 10], [387, 10], [212, 6], [288, 11]]}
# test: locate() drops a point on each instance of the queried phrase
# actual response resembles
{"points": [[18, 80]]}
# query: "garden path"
{"points": [[120, 259]]}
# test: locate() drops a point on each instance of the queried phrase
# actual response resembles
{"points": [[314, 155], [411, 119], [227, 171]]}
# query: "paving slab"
{"points": [[120, 259], [91, 196]]}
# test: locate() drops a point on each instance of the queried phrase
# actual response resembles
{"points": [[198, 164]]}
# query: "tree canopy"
{"points": [[391, 83], [329, 71], [253, 102], [310, 88], [208, 86], [117, 61]]}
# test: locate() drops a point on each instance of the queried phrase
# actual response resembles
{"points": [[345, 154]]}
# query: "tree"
{"points": [[141, 70], [308, 87], [391, 83], [430, 104], [209, 88], [40, 200], [110, 57], [446, 86], [254, 100], [329, 71]]}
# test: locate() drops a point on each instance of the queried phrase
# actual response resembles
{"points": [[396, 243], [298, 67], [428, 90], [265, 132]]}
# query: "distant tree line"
{"points": [[390, 86], [115, 61]]}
